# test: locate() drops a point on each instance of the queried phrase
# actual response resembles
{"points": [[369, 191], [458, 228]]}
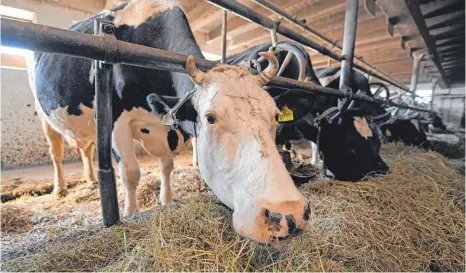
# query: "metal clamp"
{"points": [[347, 101], [170, 119], [273, 33], [106, 29]]}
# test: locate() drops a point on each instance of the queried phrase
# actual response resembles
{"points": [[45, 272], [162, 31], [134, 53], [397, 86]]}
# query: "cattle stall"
{"points": [[403, 192]]}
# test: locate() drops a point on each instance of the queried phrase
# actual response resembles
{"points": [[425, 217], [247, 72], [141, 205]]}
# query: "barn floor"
{"points": [[410, 220]]}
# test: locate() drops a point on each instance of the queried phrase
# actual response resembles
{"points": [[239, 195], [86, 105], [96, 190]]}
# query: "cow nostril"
{"points": [[307, 212], [273, 218], [290, 221], [267, 213]]}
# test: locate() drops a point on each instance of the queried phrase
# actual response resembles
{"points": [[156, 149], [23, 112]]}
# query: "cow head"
{"points": [[235, 127], [349, 148], [406, 130]]}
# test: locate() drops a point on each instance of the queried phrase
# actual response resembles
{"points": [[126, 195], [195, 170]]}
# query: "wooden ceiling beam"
{"points": [[419, 19], [237, 25], [370, 25]]}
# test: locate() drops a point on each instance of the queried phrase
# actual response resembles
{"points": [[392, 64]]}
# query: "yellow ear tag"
{"points": [[388, 133], [286, 115], [164, 119], [318, 114]]}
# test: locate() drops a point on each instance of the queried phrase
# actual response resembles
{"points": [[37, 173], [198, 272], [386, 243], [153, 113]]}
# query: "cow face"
{"points": [[407, 131], [237, 156], [349, 148]]}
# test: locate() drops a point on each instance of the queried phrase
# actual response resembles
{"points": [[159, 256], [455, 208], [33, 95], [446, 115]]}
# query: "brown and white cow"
{"points": [[233, 118]]}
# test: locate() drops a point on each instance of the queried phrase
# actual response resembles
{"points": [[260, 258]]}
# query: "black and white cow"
{"points": [[349, 148], [233, 118], [403, 128]]}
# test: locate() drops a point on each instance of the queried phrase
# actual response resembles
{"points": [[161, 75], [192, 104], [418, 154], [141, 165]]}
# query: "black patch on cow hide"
{"points": [[172, 138], [145, 131]]}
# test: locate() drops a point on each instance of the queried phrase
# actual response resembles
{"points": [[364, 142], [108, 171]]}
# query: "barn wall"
{"points": [[22, 140], [452, 105]]}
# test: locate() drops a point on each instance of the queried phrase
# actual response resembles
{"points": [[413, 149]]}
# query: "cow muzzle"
{"points": [[277, 222]]}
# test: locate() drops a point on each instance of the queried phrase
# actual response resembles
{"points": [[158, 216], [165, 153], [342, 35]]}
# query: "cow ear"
{"points": [[300, 102], [160, 105]]}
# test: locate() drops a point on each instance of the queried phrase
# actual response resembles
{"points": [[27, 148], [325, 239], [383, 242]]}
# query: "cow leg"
{"points": [[193, 143], [128, 166], [166, 167], [315, 153], [55, 141], [87, 156]]}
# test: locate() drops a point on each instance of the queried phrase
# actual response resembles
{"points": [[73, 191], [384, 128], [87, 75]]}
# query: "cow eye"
{"points": [[210, 118]]}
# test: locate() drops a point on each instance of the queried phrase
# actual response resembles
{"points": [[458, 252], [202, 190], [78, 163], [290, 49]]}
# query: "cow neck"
{"points": [[179, 38]]}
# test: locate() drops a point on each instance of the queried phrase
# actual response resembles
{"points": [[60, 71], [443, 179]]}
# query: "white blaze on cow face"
{"points": [[237, 155], [362, 127]]}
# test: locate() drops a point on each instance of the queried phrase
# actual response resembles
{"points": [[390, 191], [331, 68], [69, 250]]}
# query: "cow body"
{"points": [[65, 92], [236, 159]]}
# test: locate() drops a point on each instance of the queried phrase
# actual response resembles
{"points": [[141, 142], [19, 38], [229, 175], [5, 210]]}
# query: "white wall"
{"points": [[450, 103], [22, 140]]}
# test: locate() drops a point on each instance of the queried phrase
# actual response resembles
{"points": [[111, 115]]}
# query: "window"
{"points": [[424, 96], [15, 58]]}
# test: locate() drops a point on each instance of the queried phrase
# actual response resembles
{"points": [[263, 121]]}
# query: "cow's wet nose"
{"points": [[286, 219]]}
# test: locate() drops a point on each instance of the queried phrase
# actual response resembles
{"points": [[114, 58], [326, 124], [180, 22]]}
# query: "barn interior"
{"points": [[409, 220]]}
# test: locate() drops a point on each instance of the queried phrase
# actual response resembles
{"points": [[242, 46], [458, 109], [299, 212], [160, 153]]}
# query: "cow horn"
{"points": [[196, 75], [265, 76]]}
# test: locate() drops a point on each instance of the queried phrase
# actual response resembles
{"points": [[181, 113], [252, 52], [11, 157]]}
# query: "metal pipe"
{"points": [[106, 174], [415, 76], [349, 41], [301, 23], [61, 41], [224, 36], [250, 15]]}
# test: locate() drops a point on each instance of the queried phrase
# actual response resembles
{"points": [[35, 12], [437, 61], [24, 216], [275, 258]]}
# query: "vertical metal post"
{"points": [[432, 98], [349, 40], [224, 36], [415, 75], [106, 174]]}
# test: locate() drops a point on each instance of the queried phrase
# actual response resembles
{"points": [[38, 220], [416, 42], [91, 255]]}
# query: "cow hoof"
{"points": [[129, 213], [93, 184], [166, 201], [60, 193]]}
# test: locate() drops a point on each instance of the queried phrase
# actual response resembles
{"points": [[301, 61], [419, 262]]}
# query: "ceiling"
{"points": [[441, 42]]}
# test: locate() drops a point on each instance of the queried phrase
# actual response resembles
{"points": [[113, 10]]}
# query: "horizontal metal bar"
{"points": [[266, 22], [54, 40], [293, 19]]}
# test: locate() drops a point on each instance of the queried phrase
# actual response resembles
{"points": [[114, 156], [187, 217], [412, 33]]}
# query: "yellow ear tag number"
{"points": [[286, 115], [388, 133]]}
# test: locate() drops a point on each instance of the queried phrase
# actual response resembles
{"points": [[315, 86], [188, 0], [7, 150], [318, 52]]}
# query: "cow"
{"points": [[233, 118], [390, 128], [349, 148]]}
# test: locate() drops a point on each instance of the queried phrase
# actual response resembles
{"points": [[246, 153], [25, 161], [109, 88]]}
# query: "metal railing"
{"points": [[294, 20], [251, 15]]}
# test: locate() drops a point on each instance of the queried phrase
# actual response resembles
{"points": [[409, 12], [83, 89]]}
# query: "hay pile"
{"points": [[14, 218], [410, 220]]}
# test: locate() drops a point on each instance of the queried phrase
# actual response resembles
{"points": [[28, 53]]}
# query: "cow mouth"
{"points": [[279, 242]]}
